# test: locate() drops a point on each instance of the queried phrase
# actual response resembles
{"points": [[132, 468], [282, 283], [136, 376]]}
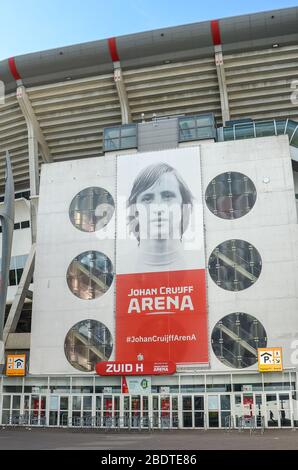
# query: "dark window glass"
{"points": [[87, 343], [25, 224], [19, 275], [236, 338], [230, 195], [17, 226], [235, 265], [90, 275], [12, 277], [91, 209]]}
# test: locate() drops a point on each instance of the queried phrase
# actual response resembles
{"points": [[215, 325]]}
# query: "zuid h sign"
{"points": [[135, 368]]}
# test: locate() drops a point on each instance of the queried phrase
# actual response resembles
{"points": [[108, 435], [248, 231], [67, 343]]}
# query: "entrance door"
{"points": [[193, 415], [285, 413], [165, 411], [110, 411], [248, 409], [58, 410], [11, 409], [272, 410], [213, 411]]}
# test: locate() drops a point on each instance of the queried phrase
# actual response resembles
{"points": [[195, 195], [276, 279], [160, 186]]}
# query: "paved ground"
{"points": [[63, 439]]}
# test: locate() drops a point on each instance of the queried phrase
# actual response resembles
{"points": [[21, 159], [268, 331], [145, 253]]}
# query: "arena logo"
{"points": [[160, 300]]}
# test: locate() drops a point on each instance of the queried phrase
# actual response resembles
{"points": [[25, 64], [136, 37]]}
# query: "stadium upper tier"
{"points": [[73, 91]]}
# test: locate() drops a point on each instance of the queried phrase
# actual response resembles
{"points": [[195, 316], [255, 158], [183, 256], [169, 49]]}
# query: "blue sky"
{"points": [[35, 25]]}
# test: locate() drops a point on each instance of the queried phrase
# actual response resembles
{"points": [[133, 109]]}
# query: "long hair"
{"points": [[147, 178]]}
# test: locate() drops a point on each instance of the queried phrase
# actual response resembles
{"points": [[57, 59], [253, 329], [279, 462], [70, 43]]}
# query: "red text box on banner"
{"points": [[162, 317]]}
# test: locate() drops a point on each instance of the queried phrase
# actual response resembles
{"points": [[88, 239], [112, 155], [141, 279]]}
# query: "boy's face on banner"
{"points": [[159, 209]]}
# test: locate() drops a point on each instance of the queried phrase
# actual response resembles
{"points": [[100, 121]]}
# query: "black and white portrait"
{"points": [[160, 225]]}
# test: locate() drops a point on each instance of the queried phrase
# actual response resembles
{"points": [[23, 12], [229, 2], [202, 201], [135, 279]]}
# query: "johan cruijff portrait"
{"points": [[159, 210]]}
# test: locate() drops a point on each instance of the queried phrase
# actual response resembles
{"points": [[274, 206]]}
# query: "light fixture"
{"points": [[275, 45]]}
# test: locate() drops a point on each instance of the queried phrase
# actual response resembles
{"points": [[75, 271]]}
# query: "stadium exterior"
{"points": [[214, 107]]}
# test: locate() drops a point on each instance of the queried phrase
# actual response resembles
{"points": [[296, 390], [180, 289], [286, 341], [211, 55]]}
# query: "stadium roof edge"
{"points": [[185, 42]]}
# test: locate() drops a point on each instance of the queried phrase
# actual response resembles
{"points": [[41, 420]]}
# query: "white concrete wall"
{"points": [[271, 227], [55, 308]]}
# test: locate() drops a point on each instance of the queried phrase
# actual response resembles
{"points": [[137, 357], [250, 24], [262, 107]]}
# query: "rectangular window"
{"points": [[12, 278], [197, 127], [120, 137], [25, 224]]}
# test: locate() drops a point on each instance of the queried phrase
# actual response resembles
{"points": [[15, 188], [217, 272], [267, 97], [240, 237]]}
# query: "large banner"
{"points": [[161, 312]]}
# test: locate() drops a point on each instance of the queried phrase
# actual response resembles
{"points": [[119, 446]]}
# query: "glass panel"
{"points": [[290, 129], [228, 133], [5, 417], [113, 144], [213, 419], [16, 402], [264, 129], [188, 134], [205, 133], [225, 418], [6, 401], [294, 140], [236, 338], [145, 403], [90, 275], [198, 403], [174, 403], [230, 195], [280, 126], [87, 343], [244, 131], [128, 131], [272, 410], [111, 132], [186, 403], [199, 419], [235, 265], [212, 402], [285, 410], [12, 278], [204, 121], [91, 209], [225, 403], [98, 403], [87, 403], [187, 420], [128, 142], [116, 403], [155, 403], [26, 402], [76, 403], [64, 403]]}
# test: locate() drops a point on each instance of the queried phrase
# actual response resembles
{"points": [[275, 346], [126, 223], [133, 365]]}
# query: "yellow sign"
{"points": [[270, 359], [16, 364]]}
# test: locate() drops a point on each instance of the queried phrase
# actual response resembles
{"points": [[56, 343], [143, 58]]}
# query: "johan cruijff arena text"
{"points": [[154, 229]]}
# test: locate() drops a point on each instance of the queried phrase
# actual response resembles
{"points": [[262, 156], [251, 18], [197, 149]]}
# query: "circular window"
{"points": [[236, 338], [87, 343], [90, 275], [230, 195], [235, 265], [91, 209]]}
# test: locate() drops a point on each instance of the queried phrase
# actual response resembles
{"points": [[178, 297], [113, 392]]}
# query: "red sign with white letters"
{"points": [[135, 368]]}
